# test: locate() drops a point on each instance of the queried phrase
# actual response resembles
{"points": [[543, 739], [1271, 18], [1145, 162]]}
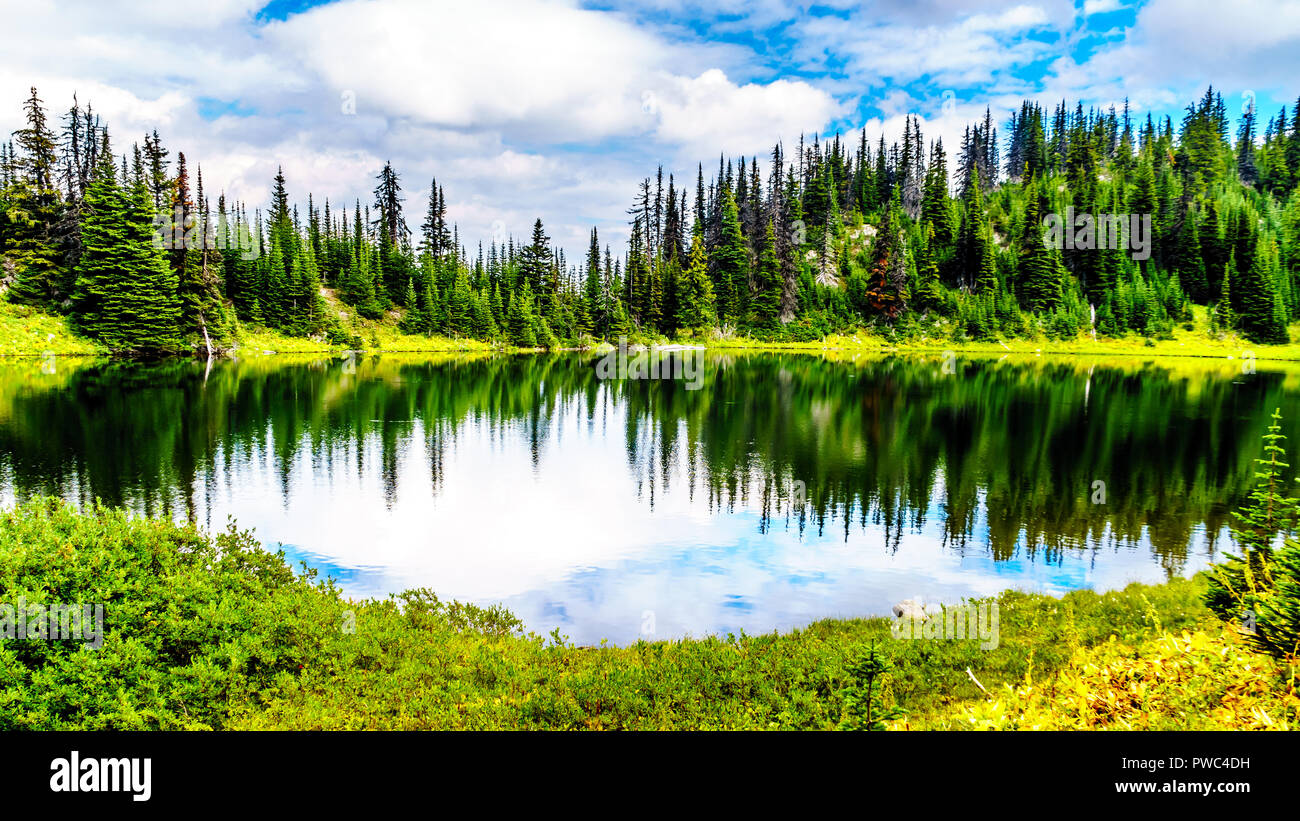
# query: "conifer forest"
{"points": [[821, 236]]}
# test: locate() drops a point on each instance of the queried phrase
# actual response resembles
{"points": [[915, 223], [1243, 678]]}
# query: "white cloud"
{"points": [[1178, 47], [970, 50], [709, 113], [520, 108], [1091, 7], [526, 108], [539, 69]]}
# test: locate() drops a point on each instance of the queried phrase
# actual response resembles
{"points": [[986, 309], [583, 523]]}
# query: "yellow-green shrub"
{"points": [[1206, 679]]}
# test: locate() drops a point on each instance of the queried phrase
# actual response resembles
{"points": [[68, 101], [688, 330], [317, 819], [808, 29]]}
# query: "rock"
{"points": [[918, 609], [910, 609]]}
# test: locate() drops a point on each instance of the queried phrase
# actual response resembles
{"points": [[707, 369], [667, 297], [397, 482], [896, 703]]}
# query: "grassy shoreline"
{"points": [[215, 633], [25, 332]]}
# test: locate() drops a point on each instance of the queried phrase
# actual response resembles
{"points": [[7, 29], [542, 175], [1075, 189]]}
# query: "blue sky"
{"points": [[556, 108]]}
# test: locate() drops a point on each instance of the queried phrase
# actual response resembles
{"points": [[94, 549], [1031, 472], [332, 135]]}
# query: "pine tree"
{"points": [[32, 214], [929, 291], [729, 262], [592, 293], [394, 269], [521, 324], [196, 264], [972, 236], [460, 308], [1188, 260], [1241, 580], [124, 285], [1247, 169], [1259, 318], [105, 250], [695, 308], [986, 278], [1039, 270], [936, 208], [535, 260], [765, 304], [1223, 318], [886, 287]]}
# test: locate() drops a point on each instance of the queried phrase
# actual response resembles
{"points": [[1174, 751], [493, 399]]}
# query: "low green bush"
{"points": [[214, 632]]}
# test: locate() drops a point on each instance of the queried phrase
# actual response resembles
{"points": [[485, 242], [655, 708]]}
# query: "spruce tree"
{"points": [[1223, 318], [105, 246], [33, 210], [1188, 260], [123, 281], [459, 306], [197, 265], [1038, 269], [1259, 318], [1242, 579], [929, 292], [765, 304], [592, 296], [695, 309], [521, 325], [729, 262]]}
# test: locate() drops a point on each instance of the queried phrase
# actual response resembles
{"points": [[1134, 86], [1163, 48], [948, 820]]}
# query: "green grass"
{"points": [[217, 633], [1194, 342], [26, 332], [256, 340]]}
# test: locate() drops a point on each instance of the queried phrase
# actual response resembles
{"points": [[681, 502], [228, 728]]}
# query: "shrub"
{"points": [[190, 623], [865, 707], [214, 632], [1194, 681], [1261, 587]]}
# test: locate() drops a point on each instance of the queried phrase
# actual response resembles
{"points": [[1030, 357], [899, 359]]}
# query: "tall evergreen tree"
{"points": [[695, 307], [32, 209]]}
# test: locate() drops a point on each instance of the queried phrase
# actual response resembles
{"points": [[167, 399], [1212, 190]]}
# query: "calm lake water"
{"points": [[785, 489]]}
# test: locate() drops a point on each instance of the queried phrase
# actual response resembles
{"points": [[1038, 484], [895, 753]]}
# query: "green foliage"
{"points": [[204, 632], [522, 324], [865, 707], [1261, 586], [729, 262], [191, 625], [838, 241], [1205, 679], [695, 296], [1277, 612], [125, 291]]}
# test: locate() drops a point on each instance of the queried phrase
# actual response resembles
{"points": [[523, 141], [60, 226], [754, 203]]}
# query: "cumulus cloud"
{"points": [[551, 108], [969, 50], [1091, 7], [520, 108], [1175, 48], [709, 113], [539, 70]]}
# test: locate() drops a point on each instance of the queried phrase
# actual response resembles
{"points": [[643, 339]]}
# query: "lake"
{"points": [[770, 491]]}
